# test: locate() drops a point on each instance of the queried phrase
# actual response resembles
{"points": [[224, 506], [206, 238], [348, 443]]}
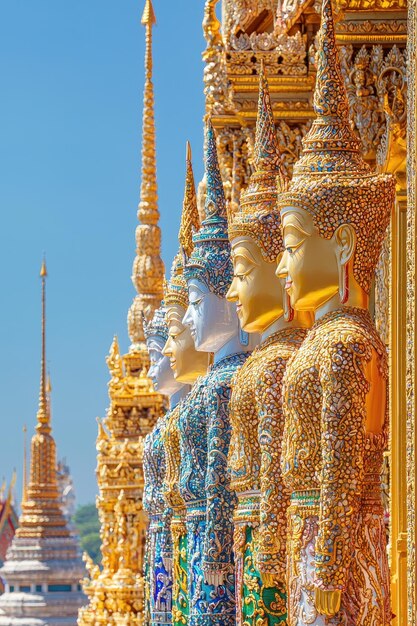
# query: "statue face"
{"points": [[309, 264], [186, 363], [160, 371], [255, 289], [211, 320]]}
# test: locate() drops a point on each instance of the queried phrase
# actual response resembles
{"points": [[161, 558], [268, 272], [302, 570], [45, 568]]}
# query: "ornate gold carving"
{"points": [[238, 14], [116, 592], [375, 83], [410, 387], [371, 5], [282, 54], [368, 29], [215, 74], [148, 268]]}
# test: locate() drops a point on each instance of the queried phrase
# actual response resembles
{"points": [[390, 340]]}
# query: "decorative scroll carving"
{"points": [[371, 5], [239, 14], [215, 73], [283, 55], [375, 83], [376, 27]]}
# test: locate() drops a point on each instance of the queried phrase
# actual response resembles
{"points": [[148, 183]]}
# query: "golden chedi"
{"points": [[334, 217], [187, 365], [256, 409]]}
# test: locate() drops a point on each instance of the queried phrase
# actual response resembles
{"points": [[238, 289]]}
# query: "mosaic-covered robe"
{"points": [[158, 551], [180, 601], [332, 466], [254, 459], [204, 485]]}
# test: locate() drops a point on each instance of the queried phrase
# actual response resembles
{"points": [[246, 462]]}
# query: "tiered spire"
{"points": [[148, 206], [41, 511], [44, 555], [148, 268], [116, 591], [43, 416]]}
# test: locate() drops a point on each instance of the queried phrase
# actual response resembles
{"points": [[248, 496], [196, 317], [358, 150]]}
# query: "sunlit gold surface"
{"points": [[255, 288], [116, 592], [320, 249], [42, 516], [186, 363], [253, 30]]}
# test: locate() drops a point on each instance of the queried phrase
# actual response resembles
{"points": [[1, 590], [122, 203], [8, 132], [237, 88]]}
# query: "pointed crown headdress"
{"points": [[175, 290], [157, 326], [210, 260], [258, 216], [331, 179]]}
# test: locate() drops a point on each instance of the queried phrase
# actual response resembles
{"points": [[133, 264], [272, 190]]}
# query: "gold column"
{"points": [[398, 464], [411, 346]]}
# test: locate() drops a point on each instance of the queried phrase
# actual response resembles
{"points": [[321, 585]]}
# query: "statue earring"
{"points": [[344, 287], [288, 310]]}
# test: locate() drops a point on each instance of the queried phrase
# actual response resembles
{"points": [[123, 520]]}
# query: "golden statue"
{"points": [[187, 365], [256, 408], [334, 217]]}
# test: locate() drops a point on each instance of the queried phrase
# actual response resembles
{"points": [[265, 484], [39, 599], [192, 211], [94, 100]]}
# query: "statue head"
{"points": [[208, 270], [186, 363], [336, 210], [255, 229], [156, 333]]}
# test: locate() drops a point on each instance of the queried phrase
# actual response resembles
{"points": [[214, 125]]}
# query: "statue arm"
{"points": [[274, 499], [220, 499], [345, 387]]}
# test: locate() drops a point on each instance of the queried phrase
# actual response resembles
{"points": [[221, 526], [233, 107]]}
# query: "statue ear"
{"points": [[345, 238]]}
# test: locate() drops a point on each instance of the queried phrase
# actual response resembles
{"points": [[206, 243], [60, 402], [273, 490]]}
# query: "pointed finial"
{"points": [[266, 154], [43, 416], [330, 96], [148, 205], [43, 273], [330, 145], [215, 205], [148, 15], [190, 220], [25, 464], [114, 361]]}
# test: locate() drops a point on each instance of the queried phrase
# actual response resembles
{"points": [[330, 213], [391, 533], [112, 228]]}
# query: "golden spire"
{"points": [[25, 464], [148, 206], [148, 268], [41, 509], [43, 416], [190, 220]]}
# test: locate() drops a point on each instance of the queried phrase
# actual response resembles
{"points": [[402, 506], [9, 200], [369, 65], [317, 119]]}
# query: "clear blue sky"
{"points": [[70, 136]]}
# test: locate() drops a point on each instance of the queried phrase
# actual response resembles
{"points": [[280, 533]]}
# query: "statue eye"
{"points": [[290, 250]]}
